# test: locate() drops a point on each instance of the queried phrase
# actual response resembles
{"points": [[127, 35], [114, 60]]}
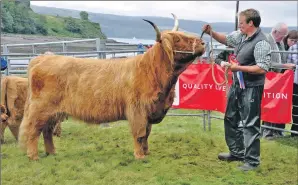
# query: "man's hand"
{"points": [[289, 65], [224, 64], [234, 67], [206, 28]]}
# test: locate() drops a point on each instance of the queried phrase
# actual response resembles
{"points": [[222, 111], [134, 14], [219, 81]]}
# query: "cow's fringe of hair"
{"points": [[158, 61], [167, 44]]}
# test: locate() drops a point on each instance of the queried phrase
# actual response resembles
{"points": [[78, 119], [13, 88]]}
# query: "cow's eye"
{"points": [[177, 39]]}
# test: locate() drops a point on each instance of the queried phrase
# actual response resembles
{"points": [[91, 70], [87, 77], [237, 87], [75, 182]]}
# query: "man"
{"points": [[275, 39], [243, 112]]}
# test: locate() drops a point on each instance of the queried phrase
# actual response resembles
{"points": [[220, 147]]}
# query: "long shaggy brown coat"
{"points": [[13, 97], [139, 89]]}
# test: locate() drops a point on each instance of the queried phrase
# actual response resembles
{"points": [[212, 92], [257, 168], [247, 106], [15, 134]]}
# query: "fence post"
{"points": [[101, 46], [33, 49], [204, 120], [64, 47], [209, 120], [207, 50]]}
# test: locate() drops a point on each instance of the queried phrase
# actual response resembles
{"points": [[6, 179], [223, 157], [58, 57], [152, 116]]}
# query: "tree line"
{"points": [[18, 18]]}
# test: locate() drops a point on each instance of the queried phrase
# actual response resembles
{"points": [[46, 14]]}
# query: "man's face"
{"points": [[279, 35], [243, 26]]}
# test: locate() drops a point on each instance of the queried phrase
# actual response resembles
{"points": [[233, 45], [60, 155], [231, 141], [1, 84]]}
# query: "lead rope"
{"points": [[211, 60]]}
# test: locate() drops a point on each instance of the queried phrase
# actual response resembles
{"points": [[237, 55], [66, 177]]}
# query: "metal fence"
{"points": [[96, 48]]}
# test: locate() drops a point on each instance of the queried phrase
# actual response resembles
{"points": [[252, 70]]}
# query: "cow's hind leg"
{"points": [[33, 123], [48, 135], [29, 135]]}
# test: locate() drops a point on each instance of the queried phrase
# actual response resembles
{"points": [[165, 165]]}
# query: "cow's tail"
{"points": [[24, 130]]}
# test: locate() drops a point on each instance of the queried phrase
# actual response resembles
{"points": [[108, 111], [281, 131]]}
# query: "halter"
{"points": [[194, 44], [211, 60]]}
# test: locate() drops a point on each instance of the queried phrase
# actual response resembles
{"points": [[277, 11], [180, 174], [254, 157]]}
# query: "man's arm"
{"points": [[230, 40], [219, 37], [262, 56], [255, 69]]}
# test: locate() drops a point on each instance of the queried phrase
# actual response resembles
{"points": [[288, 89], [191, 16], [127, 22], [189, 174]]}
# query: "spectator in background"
{"points": [[141, 48], [291, 44], [275, 38], [3, 64]]}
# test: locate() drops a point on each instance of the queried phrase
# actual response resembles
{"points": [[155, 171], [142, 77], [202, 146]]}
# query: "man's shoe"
{"points": [[247, 167], [229, 157]]}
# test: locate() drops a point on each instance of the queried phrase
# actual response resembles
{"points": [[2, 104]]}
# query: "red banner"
{"points": [[277, 97], [196, 89]]}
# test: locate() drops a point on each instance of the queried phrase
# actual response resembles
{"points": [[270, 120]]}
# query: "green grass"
{"points": [[181, 154]]}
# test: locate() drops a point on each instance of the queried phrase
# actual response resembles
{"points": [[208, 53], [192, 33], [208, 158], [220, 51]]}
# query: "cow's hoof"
{"points": [[147, 152], [139, 156], [35, 158]]}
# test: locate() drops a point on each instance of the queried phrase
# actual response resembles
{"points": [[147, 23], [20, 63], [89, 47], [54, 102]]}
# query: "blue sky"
{"points": [[209, 11]]}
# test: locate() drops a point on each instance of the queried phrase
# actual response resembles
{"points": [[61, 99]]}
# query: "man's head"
{"points": [[249, 20], [279, 31]]}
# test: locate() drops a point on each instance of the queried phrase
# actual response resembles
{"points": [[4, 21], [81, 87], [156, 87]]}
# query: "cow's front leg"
{"points": [[138, 148], [138, 123], [145, 140]]}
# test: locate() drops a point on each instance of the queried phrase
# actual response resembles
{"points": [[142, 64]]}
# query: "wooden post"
{"points": [[236, 15]]}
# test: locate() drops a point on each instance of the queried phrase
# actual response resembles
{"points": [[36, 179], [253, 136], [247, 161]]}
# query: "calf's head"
{"points": [[4, 115]]}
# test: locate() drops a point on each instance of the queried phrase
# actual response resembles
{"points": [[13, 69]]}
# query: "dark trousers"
{"points": [[295, 110], [242, 122]]}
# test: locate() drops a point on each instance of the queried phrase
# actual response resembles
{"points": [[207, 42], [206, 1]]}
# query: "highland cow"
{"points": [[13, 97], [139, 89]]}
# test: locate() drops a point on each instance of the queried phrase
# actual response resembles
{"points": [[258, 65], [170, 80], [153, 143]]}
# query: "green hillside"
{"points": [[17, 17]]}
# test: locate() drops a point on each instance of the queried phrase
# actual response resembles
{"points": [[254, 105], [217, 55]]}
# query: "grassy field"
{"points": [[181, 154]]}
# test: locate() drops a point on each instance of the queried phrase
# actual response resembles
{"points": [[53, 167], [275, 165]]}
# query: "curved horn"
{"points": [[158, 35], [176, 26]]}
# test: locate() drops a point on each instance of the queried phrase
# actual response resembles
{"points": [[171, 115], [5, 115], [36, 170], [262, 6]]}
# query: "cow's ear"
{"points": [[160, 41]]}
